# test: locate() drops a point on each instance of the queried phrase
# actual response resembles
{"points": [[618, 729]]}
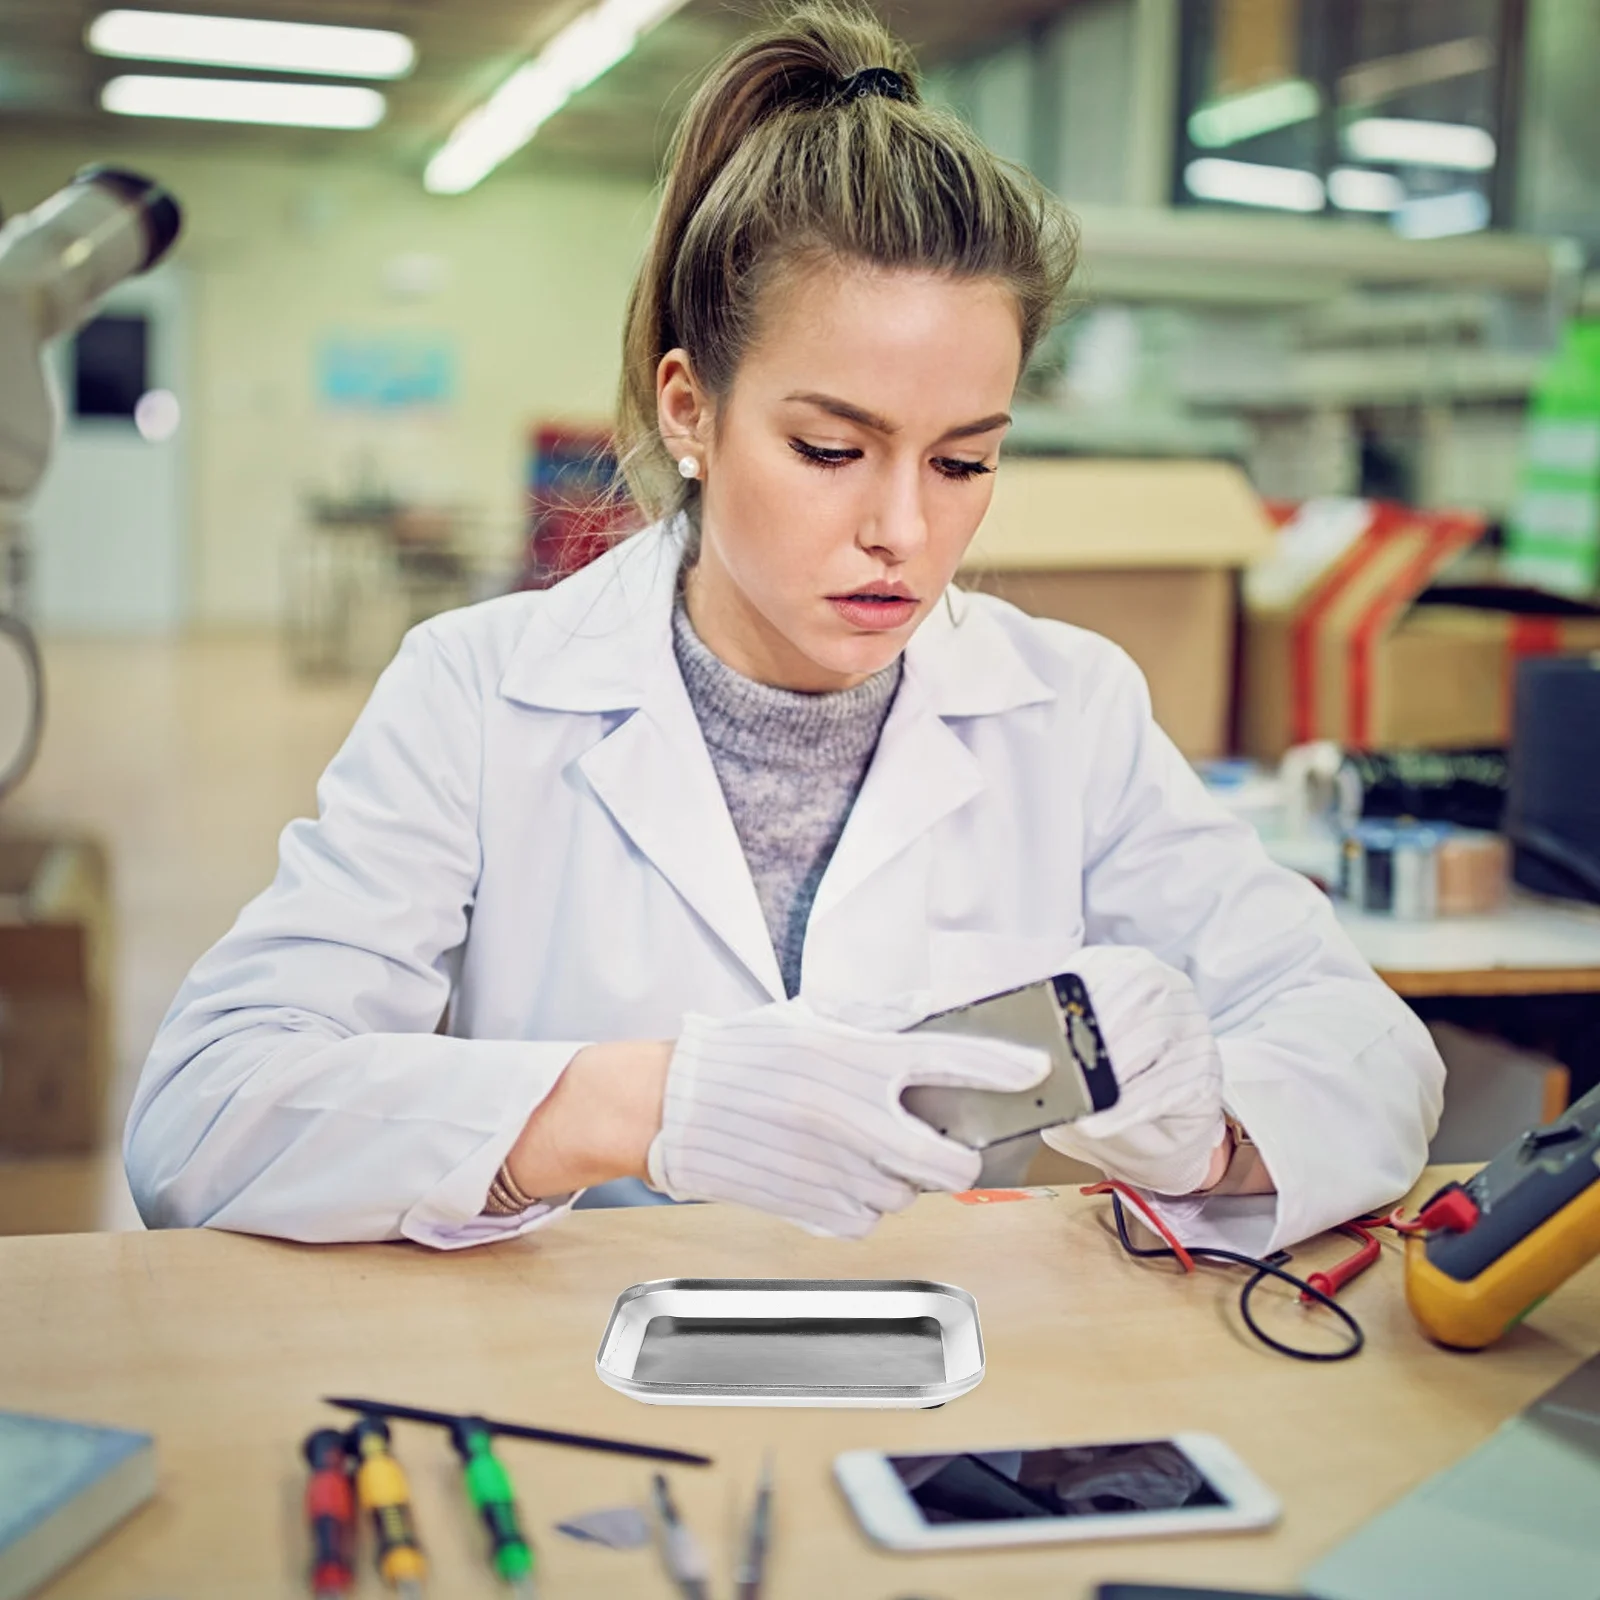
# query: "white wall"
{"points": [[108, 530], [1086, 101], [533, 276]]}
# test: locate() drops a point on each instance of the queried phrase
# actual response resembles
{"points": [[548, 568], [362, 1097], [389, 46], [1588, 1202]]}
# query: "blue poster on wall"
{"points": [[391, 372]]}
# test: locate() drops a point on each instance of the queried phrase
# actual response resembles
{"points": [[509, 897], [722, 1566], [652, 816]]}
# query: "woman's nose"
{"points": [[899, 525]]}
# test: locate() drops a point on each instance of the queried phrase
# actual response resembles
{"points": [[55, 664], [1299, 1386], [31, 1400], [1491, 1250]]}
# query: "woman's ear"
{"points": [[683, 410]]}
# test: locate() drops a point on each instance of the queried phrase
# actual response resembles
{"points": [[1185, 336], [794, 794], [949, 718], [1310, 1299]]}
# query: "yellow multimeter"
{"points": [[1525, 1224]]}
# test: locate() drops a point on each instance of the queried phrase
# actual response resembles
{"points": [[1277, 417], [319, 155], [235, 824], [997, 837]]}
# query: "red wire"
{"points": [[1451, 1209], [1329, 1282], [1138, 1202], [1447, 1209]]}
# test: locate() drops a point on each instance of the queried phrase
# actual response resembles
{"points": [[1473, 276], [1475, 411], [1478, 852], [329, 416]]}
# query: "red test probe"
{"points": [[1329, 1283], [1452, 1211], [1317, 1290], [1452, 1208]]}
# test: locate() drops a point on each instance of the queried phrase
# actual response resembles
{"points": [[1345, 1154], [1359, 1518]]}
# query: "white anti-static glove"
{"points": [[787, 1112], [1168, 1120]]}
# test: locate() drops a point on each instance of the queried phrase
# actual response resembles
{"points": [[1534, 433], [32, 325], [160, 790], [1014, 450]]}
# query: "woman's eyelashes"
{"points": [[955, 467], [829, 457], [824, 456]]}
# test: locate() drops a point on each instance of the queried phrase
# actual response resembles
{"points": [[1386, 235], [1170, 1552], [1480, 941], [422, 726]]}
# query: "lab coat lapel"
{"points": [[654, 775], [867, 956], [959, 665], [867, 946], [602, 643], [920, 773]]}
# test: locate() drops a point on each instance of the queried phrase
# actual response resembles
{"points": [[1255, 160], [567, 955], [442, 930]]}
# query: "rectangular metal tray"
{"points": [[792, 1342]]}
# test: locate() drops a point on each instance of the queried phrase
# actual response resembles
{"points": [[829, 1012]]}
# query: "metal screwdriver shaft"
{"points": [[757, 1536], [382, 1490], [489, 1488], [519, 1430]]}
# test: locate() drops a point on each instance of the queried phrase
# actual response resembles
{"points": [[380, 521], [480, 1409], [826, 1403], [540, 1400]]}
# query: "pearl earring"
{"points": [[688, 467]]}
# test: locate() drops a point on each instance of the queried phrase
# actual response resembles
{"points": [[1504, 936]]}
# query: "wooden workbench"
{"points": [[1533, 945], [220, 1345]]}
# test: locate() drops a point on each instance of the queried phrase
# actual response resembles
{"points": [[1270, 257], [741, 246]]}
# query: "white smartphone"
{"points": [[1136, 1489]]}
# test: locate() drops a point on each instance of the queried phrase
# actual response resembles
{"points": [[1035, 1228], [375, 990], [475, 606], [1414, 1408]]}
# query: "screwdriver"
{"points": [[381, 1489], [489, 1488], [681, 1554], [758, 1534], [331, 1511]]}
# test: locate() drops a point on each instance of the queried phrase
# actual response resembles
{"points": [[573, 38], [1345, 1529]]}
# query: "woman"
{"points": [[676, 848]]}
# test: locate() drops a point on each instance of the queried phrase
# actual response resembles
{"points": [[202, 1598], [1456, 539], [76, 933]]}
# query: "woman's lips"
{"points": [[875, 613]]}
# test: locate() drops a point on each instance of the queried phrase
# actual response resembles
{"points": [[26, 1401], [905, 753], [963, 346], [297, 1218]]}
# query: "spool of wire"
{"points": [[1417, 871]]}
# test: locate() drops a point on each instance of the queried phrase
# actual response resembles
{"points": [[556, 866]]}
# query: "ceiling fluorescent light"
{"points": [[1245, 183], [1437, 216], [588, 46], [296, 105], [1256, 111], [245, 42], [1361, 189], [1405, 142]]}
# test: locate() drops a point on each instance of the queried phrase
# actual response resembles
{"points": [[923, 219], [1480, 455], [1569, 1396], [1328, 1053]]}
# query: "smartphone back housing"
{"points": [[1053, 1015]]}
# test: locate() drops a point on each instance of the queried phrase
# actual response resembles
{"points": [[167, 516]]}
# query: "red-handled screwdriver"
{"points": [[331, 1511]]}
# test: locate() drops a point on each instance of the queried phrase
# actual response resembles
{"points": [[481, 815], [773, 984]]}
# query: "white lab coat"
{"points": [[523, 835]]}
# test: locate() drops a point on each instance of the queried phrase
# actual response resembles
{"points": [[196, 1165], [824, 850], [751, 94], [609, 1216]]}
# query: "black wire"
{"points": [[1261, 1270]]}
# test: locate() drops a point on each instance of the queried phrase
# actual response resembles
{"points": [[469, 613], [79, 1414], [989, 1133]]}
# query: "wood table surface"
{"points": [[220, 1345]]}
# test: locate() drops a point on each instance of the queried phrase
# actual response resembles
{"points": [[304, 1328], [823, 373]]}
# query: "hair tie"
{"points": [[873, 80]]}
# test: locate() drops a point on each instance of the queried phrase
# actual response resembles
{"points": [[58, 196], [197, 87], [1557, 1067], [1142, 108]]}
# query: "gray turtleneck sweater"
{"points": [[790, 766]]}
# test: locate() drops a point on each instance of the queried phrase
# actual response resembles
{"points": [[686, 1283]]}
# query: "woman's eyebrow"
{"points": [[844, 410], [1001, 419], [870, 419]]}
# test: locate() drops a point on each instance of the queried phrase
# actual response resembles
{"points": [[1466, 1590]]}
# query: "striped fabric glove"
{"points": [[787, 1112], [1168, 1121]]}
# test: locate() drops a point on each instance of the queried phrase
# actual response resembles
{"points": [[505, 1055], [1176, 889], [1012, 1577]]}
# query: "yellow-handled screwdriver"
{"points": [[382, 1491]]}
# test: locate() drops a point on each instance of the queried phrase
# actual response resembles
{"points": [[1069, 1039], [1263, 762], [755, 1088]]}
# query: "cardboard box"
{"points": [[55, 1021], [1337, 646], [1146, 553]]}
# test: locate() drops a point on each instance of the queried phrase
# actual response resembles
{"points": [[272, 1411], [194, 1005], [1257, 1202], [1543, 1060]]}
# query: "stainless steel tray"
{"points": [[792, 1342]]}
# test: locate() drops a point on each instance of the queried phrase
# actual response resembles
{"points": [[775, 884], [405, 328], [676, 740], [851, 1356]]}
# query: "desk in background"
{"points": [[1522, 985], [219, 1345], [1528, 973], [1530, 947]]}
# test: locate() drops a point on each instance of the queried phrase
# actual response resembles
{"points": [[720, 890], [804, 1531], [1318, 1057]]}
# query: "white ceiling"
{"points": [[465, 49]]}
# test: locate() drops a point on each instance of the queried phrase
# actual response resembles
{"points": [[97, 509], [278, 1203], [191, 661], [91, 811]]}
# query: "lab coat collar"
{"points": [[601, 640]]}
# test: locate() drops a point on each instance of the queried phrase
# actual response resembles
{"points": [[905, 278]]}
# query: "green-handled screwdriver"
{"points": [[489, 1488]]}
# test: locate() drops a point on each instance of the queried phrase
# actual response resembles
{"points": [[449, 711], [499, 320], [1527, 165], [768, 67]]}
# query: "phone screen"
{"points": [[1067, 1481]]}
